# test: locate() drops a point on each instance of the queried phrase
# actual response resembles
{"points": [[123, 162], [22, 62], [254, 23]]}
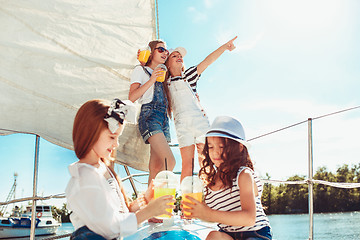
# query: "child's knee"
{"points": [[212, 235]]}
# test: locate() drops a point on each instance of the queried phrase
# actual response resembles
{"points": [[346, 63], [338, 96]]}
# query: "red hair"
{"points": [[88, 124]]}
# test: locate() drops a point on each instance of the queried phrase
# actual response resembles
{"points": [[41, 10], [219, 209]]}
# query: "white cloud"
{"points": [[209, 3], [301, 109], [249, 44], [197, 16], [241, 45]]}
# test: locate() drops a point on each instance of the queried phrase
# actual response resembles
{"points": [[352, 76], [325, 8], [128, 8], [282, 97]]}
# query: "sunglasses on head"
{"points": [[162, 49]]}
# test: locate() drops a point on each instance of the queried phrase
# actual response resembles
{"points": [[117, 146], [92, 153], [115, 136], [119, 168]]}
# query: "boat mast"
{"points": [[33, 207], [11, 195], [310, 177]]}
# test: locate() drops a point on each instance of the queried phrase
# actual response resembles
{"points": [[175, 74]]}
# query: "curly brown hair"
{"points": [[234, 157]]}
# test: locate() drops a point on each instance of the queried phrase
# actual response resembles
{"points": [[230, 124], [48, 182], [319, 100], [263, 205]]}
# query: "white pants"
{"points": [[190, 120]]}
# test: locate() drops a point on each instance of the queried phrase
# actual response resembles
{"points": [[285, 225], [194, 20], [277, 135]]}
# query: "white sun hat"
{"points": [[181, 50], [228, 127]]}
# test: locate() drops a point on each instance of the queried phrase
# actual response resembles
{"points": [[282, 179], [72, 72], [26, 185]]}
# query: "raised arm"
{"points": [[215, 55]]}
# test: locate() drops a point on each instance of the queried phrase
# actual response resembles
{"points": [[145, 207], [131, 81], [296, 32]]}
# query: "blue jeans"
{"points": [[263, 233], [153, 117], [84, 233]]}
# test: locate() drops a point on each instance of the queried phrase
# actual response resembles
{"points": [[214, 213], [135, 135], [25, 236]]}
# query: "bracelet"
{"points": [[141, 200]]}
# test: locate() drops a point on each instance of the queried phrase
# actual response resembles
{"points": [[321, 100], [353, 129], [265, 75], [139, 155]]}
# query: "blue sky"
{"points": [[294, 60]]}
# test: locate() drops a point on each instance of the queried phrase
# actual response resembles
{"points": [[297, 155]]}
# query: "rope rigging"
{"points": [[157, 20], [305, 121]]}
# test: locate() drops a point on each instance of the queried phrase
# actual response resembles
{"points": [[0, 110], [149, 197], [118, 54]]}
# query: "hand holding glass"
{"points": [[165, 184], [191, 186], [161, 78], [144, 55]]}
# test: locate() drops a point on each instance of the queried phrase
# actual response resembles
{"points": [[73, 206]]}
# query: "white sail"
{"points": [[55, 55]]}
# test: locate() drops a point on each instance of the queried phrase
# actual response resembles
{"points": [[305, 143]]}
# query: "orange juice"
{"points": [[162, 77], [159, 192], [197, 196], [144, 56]]}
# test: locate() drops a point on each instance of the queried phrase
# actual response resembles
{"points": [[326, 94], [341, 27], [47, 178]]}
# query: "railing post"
{"points": [[131, 180], [33, 207], [310, 183]]}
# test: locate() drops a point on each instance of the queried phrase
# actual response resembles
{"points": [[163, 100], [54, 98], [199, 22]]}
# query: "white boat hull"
{"points": [[11, 232]]}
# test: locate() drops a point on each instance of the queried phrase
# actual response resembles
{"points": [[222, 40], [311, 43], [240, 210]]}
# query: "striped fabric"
{"points": [[191, 76], [229, 200]]}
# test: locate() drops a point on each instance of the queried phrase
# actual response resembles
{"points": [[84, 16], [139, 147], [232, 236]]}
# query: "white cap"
{"points": [[228, 127], [181, 50]]}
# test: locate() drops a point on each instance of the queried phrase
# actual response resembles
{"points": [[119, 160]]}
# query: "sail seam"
{"points": [[29, 91]]}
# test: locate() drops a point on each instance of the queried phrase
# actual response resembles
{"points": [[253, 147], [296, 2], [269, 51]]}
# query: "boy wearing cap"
{"points": [[190, 119]]}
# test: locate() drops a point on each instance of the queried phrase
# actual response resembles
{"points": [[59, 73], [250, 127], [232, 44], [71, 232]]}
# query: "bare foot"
{"points": [[155, 220]]}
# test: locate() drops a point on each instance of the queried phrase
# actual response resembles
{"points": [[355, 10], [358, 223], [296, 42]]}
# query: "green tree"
{"points": [[288, 198], [63, 213], [266, 196], [343, 200], [296, 195], [322, 193], [279, 195]]}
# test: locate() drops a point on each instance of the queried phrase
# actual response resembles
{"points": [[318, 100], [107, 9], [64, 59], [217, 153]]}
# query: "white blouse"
{"points": [[94, 203]]}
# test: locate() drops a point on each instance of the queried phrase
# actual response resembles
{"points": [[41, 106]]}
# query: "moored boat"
{"points": [[11, 227]]}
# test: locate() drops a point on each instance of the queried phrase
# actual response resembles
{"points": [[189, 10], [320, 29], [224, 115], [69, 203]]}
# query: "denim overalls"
{"points": [[153, 117], [191, 122]]}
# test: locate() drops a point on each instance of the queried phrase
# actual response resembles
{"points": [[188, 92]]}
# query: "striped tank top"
{"points": [[229, 200]]}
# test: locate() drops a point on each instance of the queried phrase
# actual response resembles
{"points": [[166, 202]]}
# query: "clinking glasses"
{"points": [[162, 49]]}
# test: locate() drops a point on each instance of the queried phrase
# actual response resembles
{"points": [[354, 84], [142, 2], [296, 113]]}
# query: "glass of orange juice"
{"points": [[191, 186], [144, 54], [163, 73], [165, 183]]}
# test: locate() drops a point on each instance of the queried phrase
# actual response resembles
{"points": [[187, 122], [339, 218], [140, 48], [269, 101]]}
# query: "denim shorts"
{"points": [[84, 233], [263, 233], [153, 120]]}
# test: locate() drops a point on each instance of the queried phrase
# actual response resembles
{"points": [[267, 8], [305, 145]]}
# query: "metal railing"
{"points": [[310, 181]]}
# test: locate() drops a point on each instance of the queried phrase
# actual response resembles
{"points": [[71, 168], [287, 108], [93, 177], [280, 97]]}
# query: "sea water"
{"points": [[339, 226], [326, 226]]}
